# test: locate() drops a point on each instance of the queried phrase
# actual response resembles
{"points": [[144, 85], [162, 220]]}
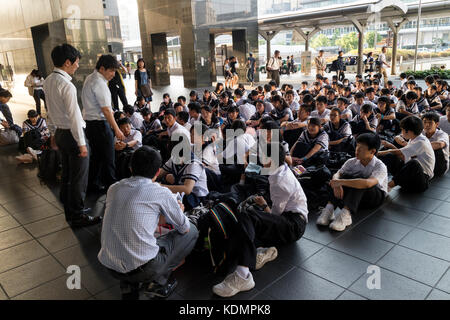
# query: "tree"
{"points": [[370, 37], [348, 41], [336, 35], [320, 40]]}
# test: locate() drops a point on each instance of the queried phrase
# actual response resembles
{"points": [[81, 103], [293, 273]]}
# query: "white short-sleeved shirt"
{"points": [[95, 96], [321, 139], [324, 115], [444, 124], [402, 106], [246, 111], [136, 120], [286, 193], [134, 135], [441, 136], [194, 170], [376, 169], [294, 106], [421, 150], [347, 114], [239, 146]]}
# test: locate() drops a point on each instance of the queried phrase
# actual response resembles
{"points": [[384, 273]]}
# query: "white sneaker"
{"points": [[325, 217], [25, 158], [33, 153], [234, 284], [264, 255], [342, 221]]}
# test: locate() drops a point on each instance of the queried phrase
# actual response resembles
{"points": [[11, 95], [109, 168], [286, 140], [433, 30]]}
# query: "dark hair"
{"points": [[371, 140], [117, 115], [176, 105], [218, 85], [128, 109], [183, 98], [412, 123], [411, 95], [315, 121], [411, 82], [60, 54], [390, 83], [123, 121], [433, 116], [32, 113], [233, 108], [193, 93], [344, 100], [429, 79], [366, 108], [140, 60], [272, 83], [107, 61], [336, 109], [238, 92], [307, 98], [385, 91], [402, 75], [280, 156], [183, 115], [140, 98], [195, 106], [369, 90], [322, 99], [5, 94], [270, 125], [385, 100], [145, 162], [145, 112], [359, 95], [238, 124]]}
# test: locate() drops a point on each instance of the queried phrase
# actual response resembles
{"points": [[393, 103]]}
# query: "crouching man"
{"points": [[134, 208], [362, 182]]}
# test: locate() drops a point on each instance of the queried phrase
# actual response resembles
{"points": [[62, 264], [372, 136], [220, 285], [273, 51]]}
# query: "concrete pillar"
{"points": [[307, 44], [161, 75], [212, 55], [394, 53], [360, 52], [240, 52]]}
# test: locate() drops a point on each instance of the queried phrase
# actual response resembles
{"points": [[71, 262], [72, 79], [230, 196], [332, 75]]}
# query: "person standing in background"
{"points": [[321, 64], [251, 65], [143, 81], [34, 83], [273, 66], [64, 115], [117, 88], [382, 64]]}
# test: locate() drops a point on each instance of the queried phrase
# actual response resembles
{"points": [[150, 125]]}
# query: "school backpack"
{"points": [[8, 136], [123, 161], [49, 164], [33, 139], [337, 160]]}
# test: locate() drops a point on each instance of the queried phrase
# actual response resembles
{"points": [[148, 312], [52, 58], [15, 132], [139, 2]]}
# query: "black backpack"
{"points": [[123, 161], [49, 163]]}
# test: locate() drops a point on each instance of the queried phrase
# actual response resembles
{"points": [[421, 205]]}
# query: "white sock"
{"points": [[242, 272], [242, 182], [345, 211], [330, 207]]}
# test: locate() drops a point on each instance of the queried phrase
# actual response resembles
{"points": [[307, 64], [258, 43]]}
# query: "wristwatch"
{"points": [[126, 145]]}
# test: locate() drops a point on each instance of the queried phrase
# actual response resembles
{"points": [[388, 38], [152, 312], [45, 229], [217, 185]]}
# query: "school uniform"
{"points": [[136, 120], [441, 155], [359, 126], [246, 111], [150, 126], [356, 108], [444, 124], [435, 101], [422, 104], [415, 172], [134, 135], [305, 143], [324, 115], [344, 130], [279, 114], [355, 199], [294, 106]]}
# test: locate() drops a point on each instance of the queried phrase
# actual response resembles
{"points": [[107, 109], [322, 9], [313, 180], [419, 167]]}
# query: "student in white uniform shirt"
{"points": [[444, 122], [135, 117], [98, 114], [362, 182], [268, 227], [64, 115], [355, 107], [132, 137], [439, 142], [411, 166], [290, 99], [321, 112]]}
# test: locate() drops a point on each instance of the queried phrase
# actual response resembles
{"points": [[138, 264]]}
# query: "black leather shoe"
{"points": [[158, 291], [85, 220]]}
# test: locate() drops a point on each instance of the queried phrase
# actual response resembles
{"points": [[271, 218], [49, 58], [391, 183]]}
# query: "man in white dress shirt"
{"points": [[64, 115], [99, 117]]}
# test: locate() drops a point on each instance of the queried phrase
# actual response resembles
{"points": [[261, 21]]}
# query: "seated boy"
{"points": [[5, 96], [284, 223], [444, 121], [135, 117], [362, 182], [151, 123], [129, 249], [407, 105], [365, 121], [322, 113], [35, 134], [386, 116], [183, 119], [133, 137], [412, 166], [439, 142]]}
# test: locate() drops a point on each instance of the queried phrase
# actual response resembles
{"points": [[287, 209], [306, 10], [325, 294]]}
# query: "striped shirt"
{"points": [[321, 138], [40, 125], [133, 208]]}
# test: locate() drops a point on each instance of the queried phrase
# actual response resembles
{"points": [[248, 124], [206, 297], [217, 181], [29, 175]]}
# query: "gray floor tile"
{"points": [[47, 226], [421, 203], [65, 238], [16, 194], [302, 285], [436, 224], [21, 254], [109, 294], [77, 255], [384, 229], [43, 211], [438, 295], [444, 283], [435, 192], [414, 265], [30, 275], [319, 234], [24, 204], [261, 296], [3, 295], [7, 223], [96, 279], [297, 252], [348, 295], [335, 266], [54, 290], [270, 272], [393, 287], [429, 243], [401, 214], [443, 210], [13, 237], [362, 246], [3, 212]]}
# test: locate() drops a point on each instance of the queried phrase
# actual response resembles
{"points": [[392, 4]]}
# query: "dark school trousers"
{"points": [[173, 248], [117, 94], [101, 142], [441, 163], [38, 95], [355, 199], [75, 172], [275, 74]]}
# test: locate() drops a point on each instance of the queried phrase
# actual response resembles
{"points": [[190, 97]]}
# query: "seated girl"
{"points": [[339, 132]]}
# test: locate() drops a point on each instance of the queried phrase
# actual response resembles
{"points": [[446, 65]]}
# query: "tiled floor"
{"points": [[408, 238]]}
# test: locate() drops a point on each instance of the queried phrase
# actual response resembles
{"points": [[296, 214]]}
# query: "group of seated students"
{"points": [[385, 131]]}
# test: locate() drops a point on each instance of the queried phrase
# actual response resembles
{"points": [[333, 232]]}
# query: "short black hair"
{"points": [[238, 92], [385, 91], [123, 121], [183, 115], [366, 108], [233, 108], [5, 93], [182, 98], [322, 99], [107, 61], [412, 123], [62, 53], [411, 95], [128, 109], [369, 90], [344, 100], [279, 156], [145, 162], [384, 99], [359, 95], [336, 109], [195, 106], [433, 116], [145, 112], [32, 113], [429, 79], [272, 83], [270, 125], [371, 140], [315, 121], [402, 75], [238, 124]]}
